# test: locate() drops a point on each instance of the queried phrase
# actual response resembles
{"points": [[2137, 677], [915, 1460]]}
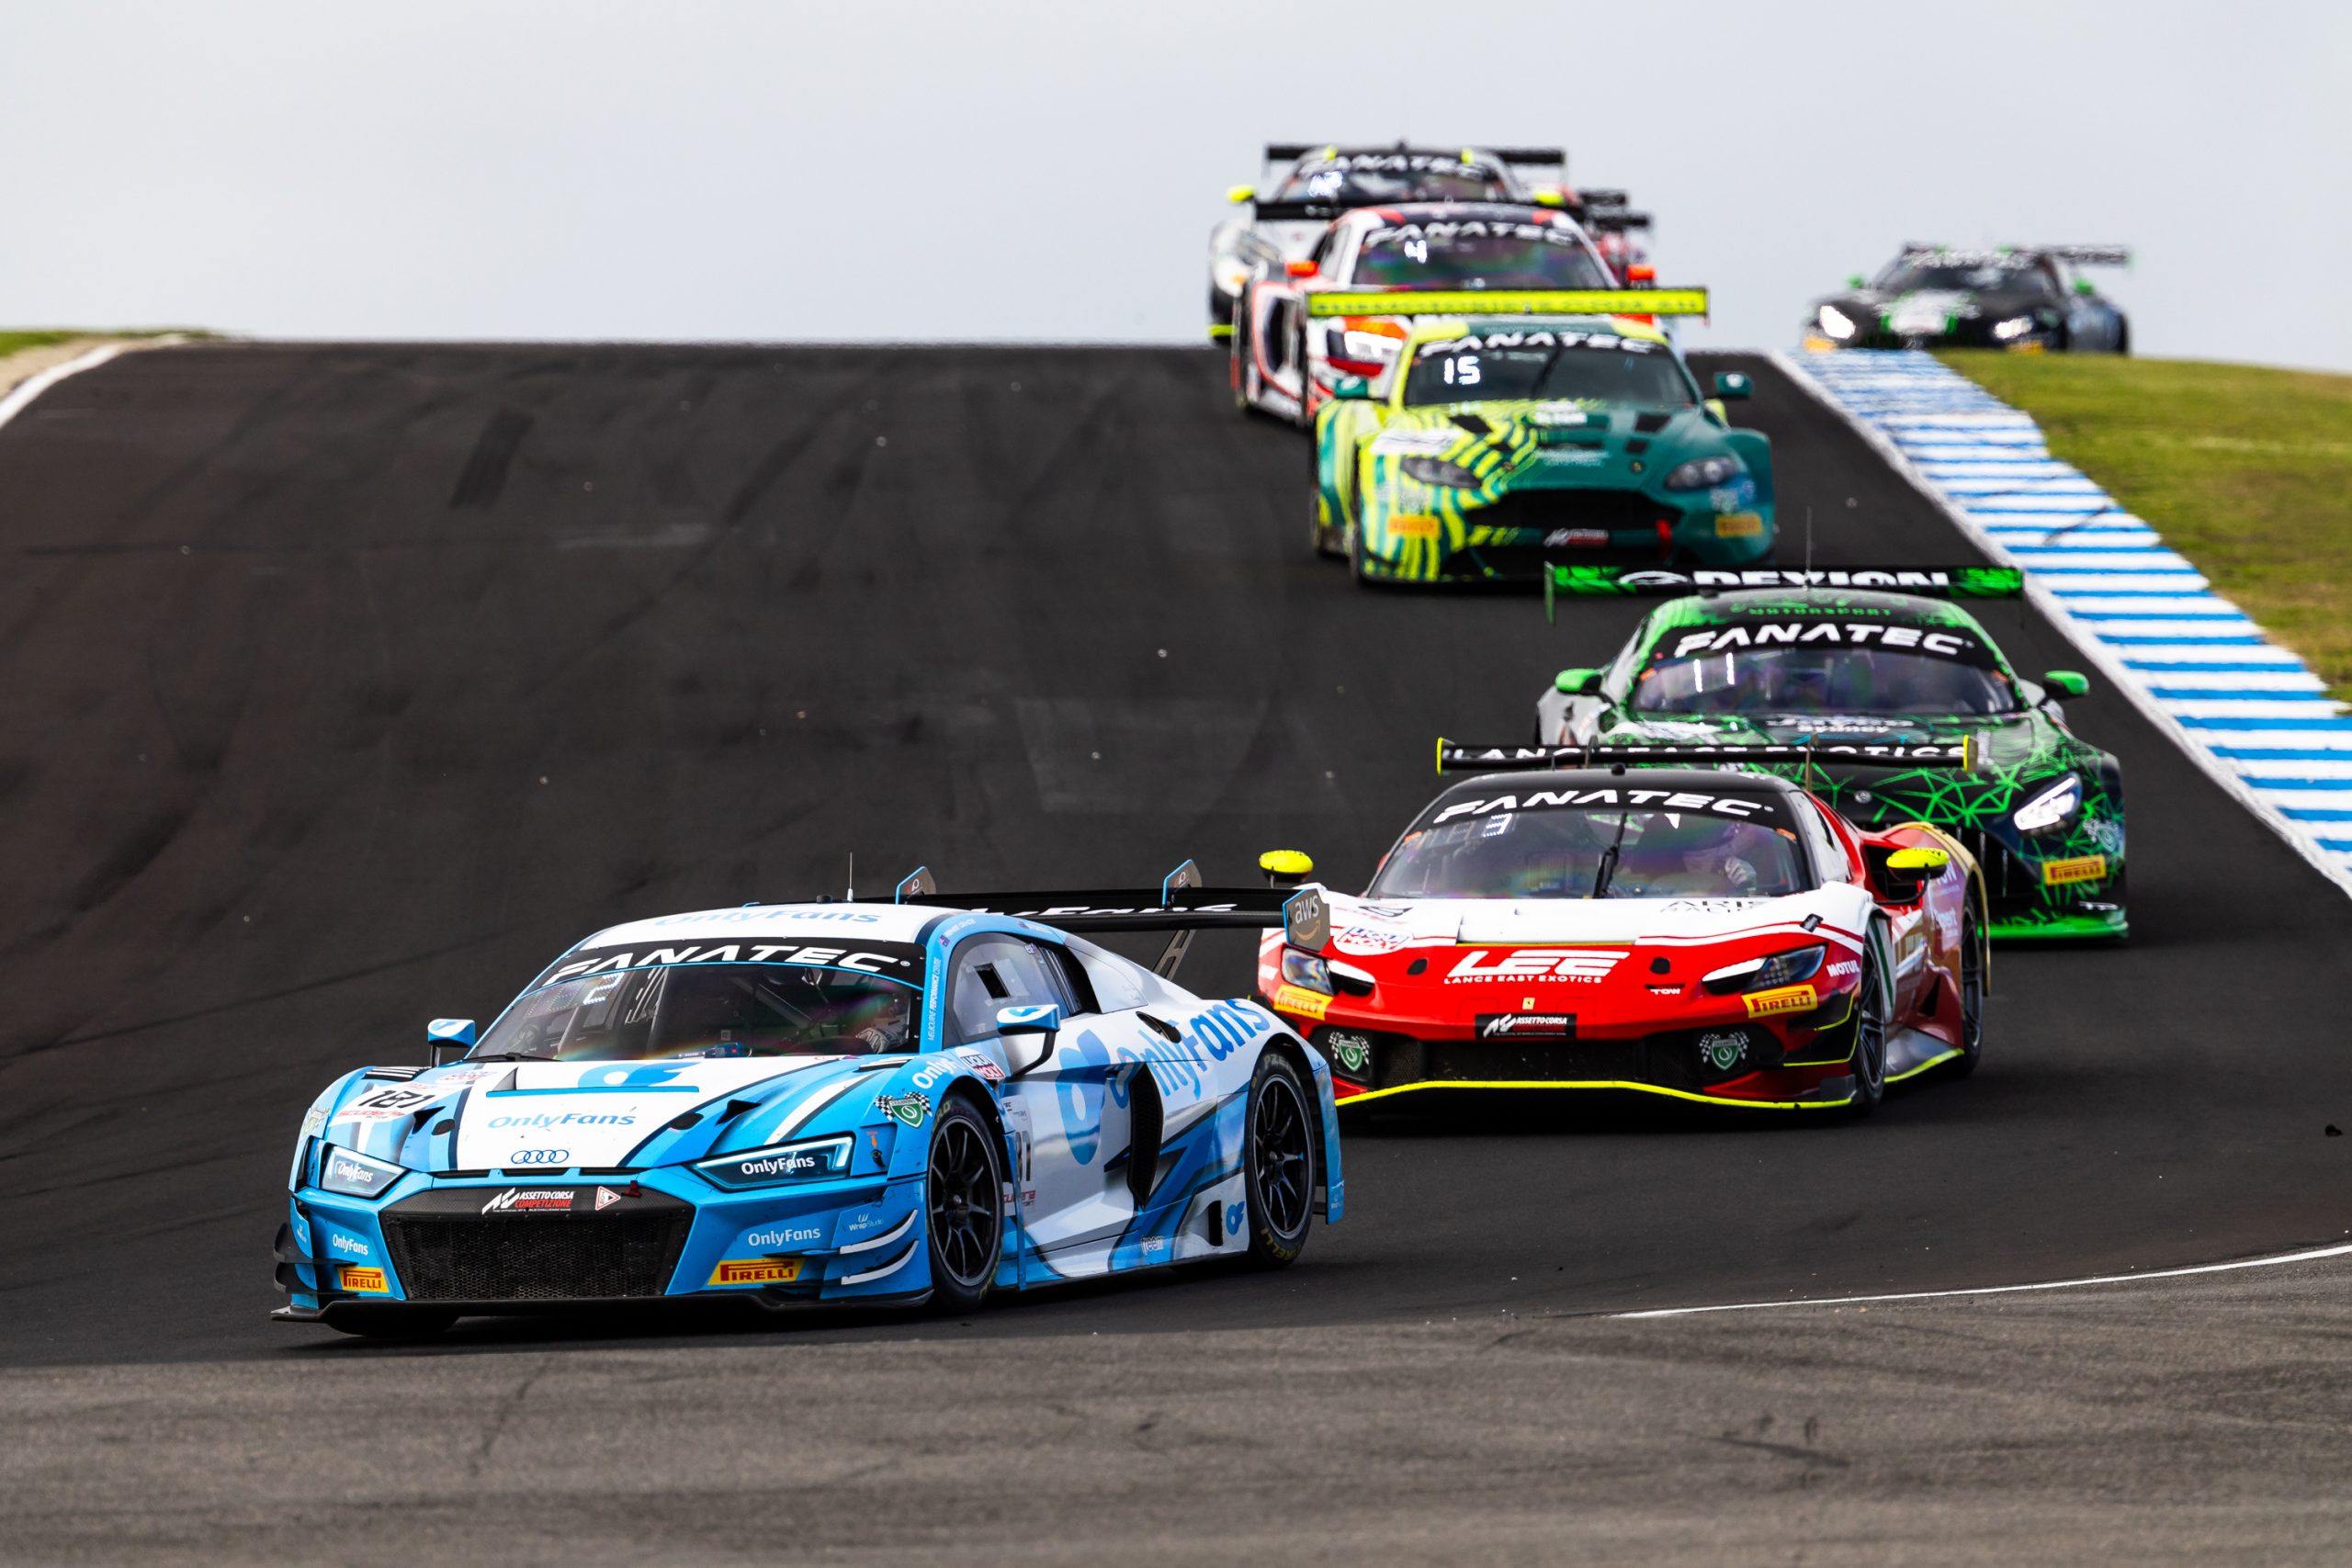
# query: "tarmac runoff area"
{"points": [[2184, 1421], [348, 684]]}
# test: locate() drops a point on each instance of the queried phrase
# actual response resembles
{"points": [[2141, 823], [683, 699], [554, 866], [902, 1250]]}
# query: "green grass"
{"points": [[2246, 471], [11, 341]]}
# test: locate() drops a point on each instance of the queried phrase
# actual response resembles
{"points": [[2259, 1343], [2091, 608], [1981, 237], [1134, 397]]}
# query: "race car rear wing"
{"points": [[1182, 906], [1295, 211], [1636, 582], [1510, 302], [1615, 221], [2093, 256], [1458, 757]]}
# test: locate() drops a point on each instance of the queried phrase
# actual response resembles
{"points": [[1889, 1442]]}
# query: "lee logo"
{"points": [[354, 1278], [756, 1271], [1585, 965], [1787, 999], [2087, 868]]}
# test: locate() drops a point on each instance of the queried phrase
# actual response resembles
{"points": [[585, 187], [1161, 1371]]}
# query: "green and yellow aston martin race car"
{"points": [[1503, 443]]}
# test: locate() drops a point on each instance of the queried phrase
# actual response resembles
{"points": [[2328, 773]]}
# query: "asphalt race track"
{"points": [[344, 685]]}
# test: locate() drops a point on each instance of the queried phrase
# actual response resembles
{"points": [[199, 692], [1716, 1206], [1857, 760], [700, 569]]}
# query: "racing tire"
{"points": [[1869, 1056], [963, 1206], [1279, 1163], [1972, 999], [393, 1325]]}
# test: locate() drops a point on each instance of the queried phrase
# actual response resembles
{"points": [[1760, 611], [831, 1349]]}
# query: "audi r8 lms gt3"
{"points": [[1304, 187], [1290, 348], [787, 1104], [2016, 298], [1842, 660], [1710, 936], [1502, 445]]}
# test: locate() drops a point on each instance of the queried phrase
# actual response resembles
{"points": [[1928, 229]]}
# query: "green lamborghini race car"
{"points": [[1842, 663], [1505, 444]]}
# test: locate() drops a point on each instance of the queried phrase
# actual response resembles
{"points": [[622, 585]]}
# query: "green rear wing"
{"points": [[1460, 757], [1658, 583], [1509, 302]]}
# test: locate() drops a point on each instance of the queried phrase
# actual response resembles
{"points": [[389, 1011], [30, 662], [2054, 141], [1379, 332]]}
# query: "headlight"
{"points": [[2052, 809], [355, 1175], [2015, 326], [1438, 471], [1835, 323], [1700, 472], [1763, 973], [1306, 971], [810, 1161]]}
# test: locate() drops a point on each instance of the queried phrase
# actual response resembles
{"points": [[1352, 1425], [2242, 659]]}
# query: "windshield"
{"points": [[1797, 680], [607, 1011], [1598, 367], [1478, 255], [2003, 277], [1369, 181], [1556, 853]]}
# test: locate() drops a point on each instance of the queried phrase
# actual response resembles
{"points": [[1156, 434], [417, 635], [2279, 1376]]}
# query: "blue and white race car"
{"points": [[841, 1102]]}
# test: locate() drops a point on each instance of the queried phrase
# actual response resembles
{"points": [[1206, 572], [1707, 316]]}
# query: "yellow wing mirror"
{"points": [[1919, 859], [1285, 868], [1238, 194]]}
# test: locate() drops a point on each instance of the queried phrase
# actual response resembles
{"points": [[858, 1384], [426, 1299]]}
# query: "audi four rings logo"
{"points": [[539, 1156]]}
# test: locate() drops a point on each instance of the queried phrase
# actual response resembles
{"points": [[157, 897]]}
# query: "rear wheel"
{"points": [[1280, 1176], [964, 1201], [1868, 1060]]}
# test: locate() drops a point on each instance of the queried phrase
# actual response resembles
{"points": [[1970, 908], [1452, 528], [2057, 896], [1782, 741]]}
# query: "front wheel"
{"points": [[1869, 1059], [1280, 1177], [964, 1201], [1971, 997]]}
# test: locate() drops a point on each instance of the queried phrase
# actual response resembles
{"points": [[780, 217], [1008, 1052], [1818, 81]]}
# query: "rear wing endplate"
{"points": [[1183, 907], [1458, 757], [1510, 302]]}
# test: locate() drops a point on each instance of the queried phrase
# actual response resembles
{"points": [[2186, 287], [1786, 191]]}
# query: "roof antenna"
{"points": [[850, 896]]}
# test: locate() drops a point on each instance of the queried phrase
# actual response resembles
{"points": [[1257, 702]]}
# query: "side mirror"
{"points": [[1577, 682], [1238, 194], [1640, 272], [1300, 268], [2085, 286], [1734, 384], [2067, 682], [1028, 1034], [1547, 197], [452, 1035], [1285, 868], [1919, 859], [1855, 281]]}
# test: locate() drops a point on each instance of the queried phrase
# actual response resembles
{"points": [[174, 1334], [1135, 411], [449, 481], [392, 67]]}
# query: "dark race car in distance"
{"points": [[2021, 298]]}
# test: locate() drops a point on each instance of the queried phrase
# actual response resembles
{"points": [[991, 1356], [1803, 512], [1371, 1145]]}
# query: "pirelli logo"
{"points": [[1783, 999], [1740, 525], [2082, 868], [756, 1271], [1514, 302], [1414, 525], [1301, 1001], [368, 1282]]}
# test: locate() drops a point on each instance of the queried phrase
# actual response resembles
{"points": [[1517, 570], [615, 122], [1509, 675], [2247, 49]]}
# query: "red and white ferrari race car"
{"points": [[1699, 933], [1301, 332]]}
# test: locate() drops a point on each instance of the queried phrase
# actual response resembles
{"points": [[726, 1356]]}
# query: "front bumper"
{"points": [[477, 1245], [1515, 537]]}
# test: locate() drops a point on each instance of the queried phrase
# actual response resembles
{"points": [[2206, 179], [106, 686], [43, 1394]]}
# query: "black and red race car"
{"points": [[1695, 933]]}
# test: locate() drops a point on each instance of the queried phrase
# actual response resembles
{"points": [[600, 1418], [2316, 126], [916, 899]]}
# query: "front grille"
{"points": [[2010, 885], [539, 1257], [1523, 1061], [1625, 509]]}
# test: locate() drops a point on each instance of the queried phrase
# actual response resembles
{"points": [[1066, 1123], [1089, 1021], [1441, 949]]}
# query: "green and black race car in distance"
{"points": [[1504, 443], [1846, 662]]}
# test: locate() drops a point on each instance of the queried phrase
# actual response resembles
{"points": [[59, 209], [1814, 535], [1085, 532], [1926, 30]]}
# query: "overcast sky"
{"points": [[1027, 170]]}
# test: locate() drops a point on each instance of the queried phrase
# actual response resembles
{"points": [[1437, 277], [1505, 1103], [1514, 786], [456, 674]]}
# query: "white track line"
{"points": [[2312, 1256], [33, 386]]}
